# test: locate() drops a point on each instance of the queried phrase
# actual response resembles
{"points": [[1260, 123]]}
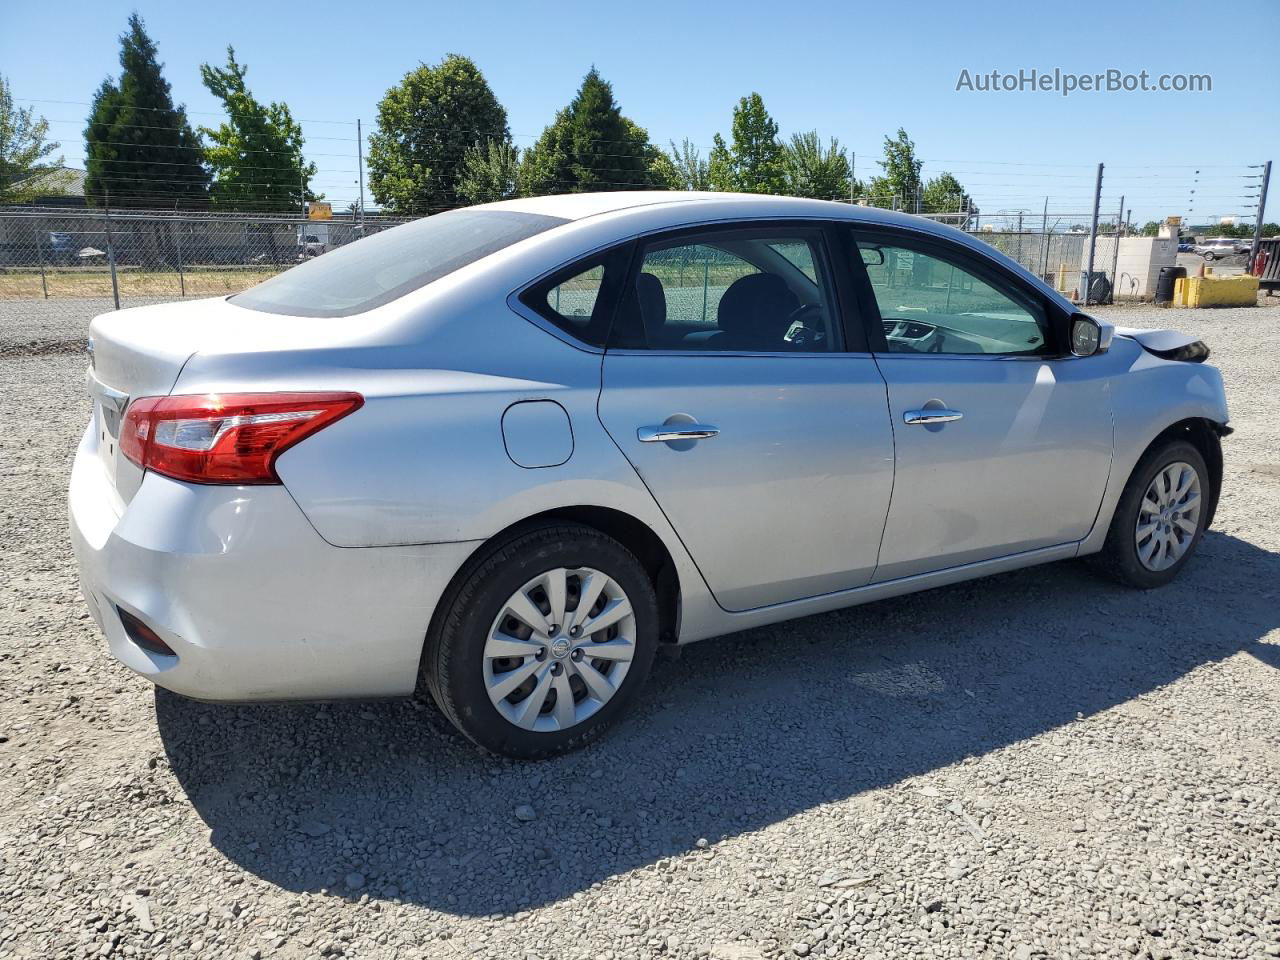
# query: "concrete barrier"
{"points": [[1211, 291]]}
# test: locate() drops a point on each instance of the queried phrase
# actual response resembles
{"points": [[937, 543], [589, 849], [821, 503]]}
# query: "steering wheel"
{"points": [[802, 335]]}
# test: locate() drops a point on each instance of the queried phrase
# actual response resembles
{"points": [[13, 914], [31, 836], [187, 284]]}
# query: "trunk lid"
{"points": [[139, 353], [143, 351]]}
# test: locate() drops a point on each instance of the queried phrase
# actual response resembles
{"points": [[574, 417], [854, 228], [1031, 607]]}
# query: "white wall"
{"points": [[1137, 265]]}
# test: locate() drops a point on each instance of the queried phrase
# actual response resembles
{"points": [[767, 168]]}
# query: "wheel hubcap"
{"points": [[559, 649], [1168, 516]]}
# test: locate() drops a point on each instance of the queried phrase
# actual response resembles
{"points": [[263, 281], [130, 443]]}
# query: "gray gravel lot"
{"points": [[1040, 764]]}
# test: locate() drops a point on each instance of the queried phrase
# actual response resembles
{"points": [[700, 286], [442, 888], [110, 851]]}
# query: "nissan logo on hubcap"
{"points": [[560, 648]]}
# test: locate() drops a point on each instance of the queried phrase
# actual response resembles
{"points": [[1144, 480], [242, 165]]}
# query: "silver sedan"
{"points": [[506, 452]]}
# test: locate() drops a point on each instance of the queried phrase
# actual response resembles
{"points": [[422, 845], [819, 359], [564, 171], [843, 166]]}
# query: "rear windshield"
{"points": [[379, 268]]}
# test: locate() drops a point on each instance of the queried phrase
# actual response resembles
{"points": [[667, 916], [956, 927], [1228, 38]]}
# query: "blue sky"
{"points": [[852, 70]]}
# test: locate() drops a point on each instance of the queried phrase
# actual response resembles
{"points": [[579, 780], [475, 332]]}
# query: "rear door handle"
{"points": [[932, 415], [676, 431]]}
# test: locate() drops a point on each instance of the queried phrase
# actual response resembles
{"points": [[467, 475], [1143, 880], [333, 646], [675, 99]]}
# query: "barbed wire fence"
{"points": [[1063, 223]]}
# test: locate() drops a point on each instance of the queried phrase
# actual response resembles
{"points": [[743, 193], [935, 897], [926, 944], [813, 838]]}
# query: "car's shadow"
{"points": [[737, 734]]}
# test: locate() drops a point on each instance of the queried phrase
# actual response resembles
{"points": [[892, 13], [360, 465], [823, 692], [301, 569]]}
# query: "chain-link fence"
{"points": [[60, 267], [1061, 258]]}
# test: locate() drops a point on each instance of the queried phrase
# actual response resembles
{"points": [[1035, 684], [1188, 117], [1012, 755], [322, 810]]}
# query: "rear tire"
{"points": [[1155, 528], [573, 682]]}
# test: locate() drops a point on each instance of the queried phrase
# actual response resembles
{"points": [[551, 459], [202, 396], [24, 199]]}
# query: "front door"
{"points": [[1003, 444], [765, 442]]}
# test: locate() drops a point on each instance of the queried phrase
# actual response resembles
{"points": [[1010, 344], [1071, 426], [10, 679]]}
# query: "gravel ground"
{"points": [[36, 327], [1039, 765]]}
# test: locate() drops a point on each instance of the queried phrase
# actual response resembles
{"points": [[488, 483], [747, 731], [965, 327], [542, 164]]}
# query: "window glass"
{"points": [[931, 305], [735, 291], [573, 300], [387, 265], [800, 256], [579, 299]]}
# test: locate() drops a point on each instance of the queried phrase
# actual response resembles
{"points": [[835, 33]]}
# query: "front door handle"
{"points": [[668, 432], [932, 415]]}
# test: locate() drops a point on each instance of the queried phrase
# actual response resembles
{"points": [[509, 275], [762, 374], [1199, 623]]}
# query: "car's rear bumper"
{"points": [[253, 602]]}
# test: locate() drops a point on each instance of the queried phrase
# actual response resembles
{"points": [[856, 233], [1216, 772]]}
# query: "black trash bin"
{"points": [[1164, 285]]}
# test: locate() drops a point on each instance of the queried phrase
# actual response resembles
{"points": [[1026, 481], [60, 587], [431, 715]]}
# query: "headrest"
{"points": [[757, 308]]}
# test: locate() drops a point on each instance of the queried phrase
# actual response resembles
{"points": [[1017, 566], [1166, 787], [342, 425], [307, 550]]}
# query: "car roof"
{"points": [[579, 206]]}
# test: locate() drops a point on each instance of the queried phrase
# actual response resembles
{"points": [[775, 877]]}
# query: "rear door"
{"points": [[760, 429], [1003, 443]]}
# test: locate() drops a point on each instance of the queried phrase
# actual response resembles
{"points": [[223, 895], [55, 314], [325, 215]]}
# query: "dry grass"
{"points": [[89, 284]]}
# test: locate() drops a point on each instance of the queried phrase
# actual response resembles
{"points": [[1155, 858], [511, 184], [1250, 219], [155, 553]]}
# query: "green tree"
{"points": [[755, 162], [425, 125], [901, 178], [690, 169], [490, 171], [944, 194], [665, 173], [591, 146], [256, 156], [26, 169], [1151, 228], [818, 171], [139, 148]]}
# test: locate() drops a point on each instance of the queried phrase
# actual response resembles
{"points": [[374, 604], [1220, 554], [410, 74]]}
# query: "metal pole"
{"points": [[1093, 235], [1115, 257], [111, 251], [177, 243], [1262, 210], [40, 254], [360, 166], [1044, 240], [853, 166], [706, 265], [1019, 256]]}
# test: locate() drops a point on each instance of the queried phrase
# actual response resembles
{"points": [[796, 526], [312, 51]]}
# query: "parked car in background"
{"points": [[62, 248], [510, 450], [1186, 246], [1214, 248]]}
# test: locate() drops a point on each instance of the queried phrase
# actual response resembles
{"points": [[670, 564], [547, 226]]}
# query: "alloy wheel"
{"points": [[1168, 516], [559, 649]]}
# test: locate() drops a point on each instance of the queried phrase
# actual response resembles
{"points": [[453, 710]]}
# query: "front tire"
{"points": [[544, 641], [1160, 519]]}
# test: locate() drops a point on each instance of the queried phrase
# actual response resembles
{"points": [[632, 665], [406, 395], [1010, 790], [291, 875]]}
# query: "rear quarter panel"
{"points": [[424, 460]]}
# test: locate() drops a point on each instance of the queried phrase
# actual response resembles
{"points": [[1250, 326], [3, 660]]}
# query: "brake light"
{"points": [[225, 438]]}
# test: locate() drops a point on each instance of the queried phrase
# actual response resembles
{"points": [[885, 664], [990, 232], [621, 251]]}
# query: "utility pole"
{"points": [[853, 166], [1262, 210], [360, 165], [1093, 236]]}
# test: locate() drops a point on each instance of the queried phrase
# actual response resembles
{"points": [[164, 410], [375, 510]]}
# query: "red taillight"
{"points": [[225, 438]]}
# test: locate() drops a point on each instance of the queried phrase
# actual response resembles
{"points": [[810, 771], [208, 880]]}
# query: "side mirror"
{"points": [[1089, 336], [872, 256]]}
